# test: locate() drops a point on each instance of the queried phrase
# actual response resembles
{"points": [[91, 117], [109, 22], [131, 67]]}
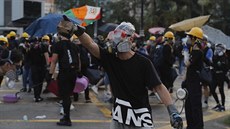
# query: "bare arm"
{"points": [[164, 94], [53, 63], [88, 43]]}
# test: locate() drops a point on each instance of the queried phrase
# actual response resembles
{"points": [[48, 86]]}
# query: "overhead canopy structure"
{"points": [[88, 14], [188, 24]]}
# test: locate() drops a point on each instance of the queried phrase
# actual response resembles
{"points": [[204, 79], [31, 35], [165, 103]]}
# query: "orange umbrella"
{"points": [[88, 14]]}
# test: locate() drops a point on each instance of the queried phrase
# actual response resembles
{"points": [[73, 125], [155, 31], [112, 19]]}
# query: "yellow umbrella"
{"points": [[188, 24]]}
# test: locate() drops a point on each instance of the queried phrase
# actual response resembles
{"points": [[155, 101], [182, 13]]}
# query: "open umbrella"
{"points": [[47, 24], [156, 30], [190, 23], [106, 28], [216, 36], [88, 14]]}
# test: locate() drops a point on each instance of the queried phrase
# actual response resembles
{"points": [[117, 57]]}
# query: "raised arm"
{"points": [[89, 44], [67, 28]]}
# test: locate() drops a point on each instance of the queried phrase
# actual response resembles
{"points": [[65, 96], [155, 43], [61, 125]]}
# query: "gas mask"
{"points": [[220, 49], [119, 41]]}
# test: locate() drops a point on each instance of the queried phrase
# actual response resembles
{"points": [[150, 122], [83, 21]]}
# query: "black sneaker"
{"points": [[222, 109], [217, 107], [38, 99], [23, 90], [64, 122]]}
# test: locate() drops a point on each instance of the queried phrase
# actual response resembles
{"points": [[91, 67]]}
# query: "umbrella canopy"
{"points": [[106, 28], [156, 30], [216, 36], [47, 24], [88, 14], [190, 23]]}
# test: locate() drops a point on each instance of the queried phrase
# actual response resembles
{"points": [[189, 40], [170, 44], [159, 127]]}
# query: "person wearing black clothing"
{"points": [[38, 55], [84, 59], [3, 46], [130, 75], [13, 43], [67, 55], [24, 47], [220, 66], [194, 63], [167, 61]]}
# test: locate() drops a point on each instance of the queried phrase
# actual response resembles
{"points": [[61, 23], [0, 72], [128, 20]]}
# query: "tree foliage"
{"points": [[160, 12]]}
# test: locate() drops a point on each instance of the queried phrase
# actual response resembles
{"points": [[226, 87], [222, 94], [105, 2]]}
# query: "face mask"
{"points": [[10, 78], [45, 43], [221, 53], [124, 46], [120, 41], [189, 41]]}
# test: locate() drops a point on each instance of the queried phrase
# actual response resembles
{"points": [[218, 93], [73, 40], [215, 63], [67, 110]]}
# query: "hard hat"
{"points": [[46, 37], [153, 38], [169, 34], [196, 32], [4, 39], [12, 34], [25, 35], [8, 36]]}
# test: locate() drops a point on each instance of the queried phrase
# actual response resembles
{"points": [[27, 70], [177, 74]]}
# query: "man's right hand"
{"points": [[66, 27]]}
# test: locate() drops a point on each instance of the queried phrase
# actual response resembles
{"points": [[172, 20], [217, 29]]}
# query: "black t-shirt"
{"points": [[36, 54], [130, 80], [67, 54]]}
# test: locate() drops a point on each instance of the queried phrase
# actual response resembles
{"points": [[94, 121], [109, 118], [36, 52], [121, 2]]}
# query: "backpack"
{"points": [[157, 56]]}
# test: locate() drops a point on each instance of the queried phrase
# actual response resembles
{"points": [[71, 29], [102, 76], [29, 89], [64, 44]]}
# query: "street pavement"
{"points": [[95, 115]]}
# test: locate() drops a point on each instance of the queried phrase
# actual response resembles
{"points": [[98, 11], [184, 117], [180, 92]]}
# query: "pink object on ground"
{"points": [[81, 84]]}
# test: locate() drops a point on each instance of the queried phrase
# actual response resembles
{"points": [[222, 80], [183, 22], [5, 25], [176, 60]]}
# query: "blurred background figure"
{"points": [[24, 47]]}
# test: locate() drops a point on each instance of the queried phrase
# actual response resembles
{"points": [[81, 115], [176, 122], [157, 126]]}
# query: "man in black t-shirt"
{"points": [[66, 54], [38, 55], [130, 75]]}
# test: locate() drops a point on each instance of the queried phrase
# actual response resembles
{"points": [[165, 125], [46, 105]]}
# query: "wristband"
{"points": [[171, 109]]}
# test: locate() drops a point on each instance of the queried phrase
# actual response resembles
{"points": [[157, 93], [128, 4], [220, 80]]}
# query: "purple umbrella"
{"points": [[156, 30]]}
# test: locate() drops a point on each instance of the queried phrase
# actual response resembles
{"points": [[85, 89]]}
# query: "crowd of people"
{"points": [[131, 68]]}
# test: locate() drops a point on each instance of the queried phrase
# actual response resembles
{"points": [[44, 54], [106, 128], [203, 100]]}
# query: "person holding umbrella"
{"points": [[130, 75]]}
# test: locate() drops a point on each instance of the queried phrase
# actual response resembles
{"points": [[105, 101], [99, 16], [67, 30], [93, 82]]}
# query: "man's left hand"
{"points": [[176, 121]]}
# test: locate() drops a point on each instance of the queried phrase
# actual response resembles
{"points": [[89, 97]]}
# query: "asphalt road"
{"points": [[95, 115]]}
